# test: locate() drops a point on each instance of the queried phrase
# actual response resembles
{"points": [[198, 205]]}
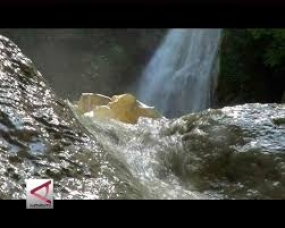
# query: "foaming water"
{"points": [[143, 149], [214, 154], [178, 78]]}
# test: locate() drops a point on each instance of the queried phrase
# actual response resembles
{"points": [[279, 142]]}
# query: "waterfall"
{"points": [[178, 78]]}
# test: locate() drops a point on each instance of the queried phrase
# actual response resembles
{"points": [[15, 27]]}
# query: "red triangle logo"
{"points": [[42, 198]]}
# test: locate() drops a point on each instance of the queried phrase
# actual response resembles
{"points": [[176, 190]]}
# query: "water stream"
{"points": [[178, 78]]}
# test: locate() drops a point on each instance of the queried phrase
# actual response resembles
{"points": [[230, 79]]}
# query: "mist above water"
{"points": [[178, 78]]}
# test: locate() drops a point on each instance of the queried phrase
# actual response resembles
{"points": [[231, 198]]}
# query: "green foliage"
{"points": [[234, 76], [252, 66], [273, 49]]}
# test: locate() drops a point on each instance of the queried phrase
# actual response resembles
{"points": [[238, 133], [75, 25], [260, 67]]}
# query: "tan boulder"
{"points": [[88, 101], [102, 111], [128, 109], [125, 108]]}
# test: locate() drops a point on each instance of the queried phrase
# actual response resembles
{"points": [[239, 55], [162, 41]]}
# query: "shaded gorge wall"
{"points": [[88, 60]]}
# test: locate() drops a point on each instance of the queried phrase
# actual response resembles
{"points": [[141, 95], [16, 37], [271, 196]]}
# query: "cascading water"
{"points": [[178, 78]]}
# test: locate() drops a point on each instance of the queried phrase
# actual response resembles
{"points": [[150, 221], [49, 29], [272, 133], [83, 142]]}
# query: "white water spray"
{"points": [[178, 78]]}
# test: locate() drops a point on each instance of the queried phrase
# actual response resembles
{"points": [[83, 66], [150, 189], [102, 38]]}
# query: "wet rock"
{"points": [[236, 152], [40, 138]]}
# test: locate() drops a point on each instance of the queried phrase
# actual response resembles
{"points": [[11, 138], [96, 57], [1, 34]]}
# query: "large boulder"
{"points": [[236, 152], [125, 107], [88, 101], [40, 138]]}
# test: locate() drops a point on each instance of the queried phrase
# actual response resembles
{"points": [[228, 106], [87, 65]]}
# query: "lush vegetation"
{"points": [[252, 66]]}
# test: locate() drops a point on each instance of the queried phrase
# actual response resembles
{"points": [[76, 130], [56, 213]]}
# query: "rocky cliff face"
{"points": [[41, 139]]}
